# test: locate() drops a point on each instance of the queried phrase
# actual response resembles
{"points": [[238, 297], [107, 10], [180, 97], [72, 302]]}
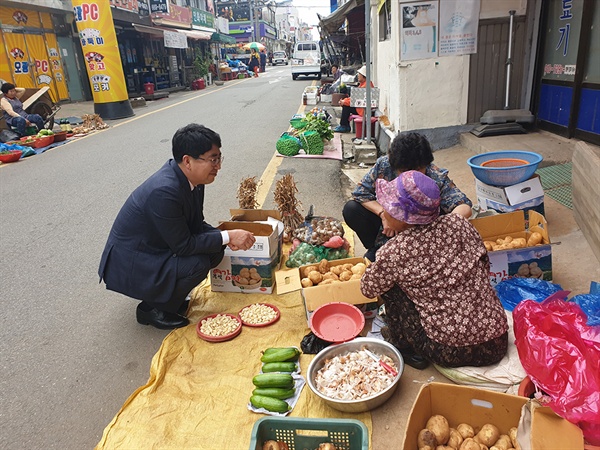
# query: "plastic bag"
{"points": [[312, 344], [560, 353], [512, 291], [307, 254], [288, 145], [590, 304]]}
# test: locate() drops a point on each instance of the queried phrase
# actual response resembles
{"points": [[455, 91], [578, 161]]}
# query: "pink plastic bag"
{"points": [[561, 355]]}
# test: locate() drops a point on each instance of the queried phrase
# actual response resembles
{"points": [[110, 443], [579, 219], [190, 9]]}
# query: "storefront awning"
{"points": [[222, 38], [334, 21], [155, 31], [199, 35]]}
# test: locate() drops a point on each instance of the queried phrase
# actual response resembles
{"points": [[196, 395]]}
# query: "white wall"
{"points": [[429, 93]]}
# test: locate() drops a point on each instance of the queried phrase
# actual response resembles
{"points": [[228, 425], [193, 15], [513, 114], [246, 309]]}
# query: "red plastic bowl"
{"points": [[337, 322], [60, 136], [42, 141], [265, 324], [223, 338], [13, 156]]}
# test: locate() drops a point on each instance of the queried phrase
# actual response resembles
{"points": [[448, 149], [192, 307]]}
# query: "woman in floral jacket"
{"points": [[434, 280]]}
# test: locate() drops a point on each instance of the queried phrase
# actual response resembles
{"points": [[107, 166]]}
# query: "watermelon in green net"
{"points": [[288, 145], [312, 143]]}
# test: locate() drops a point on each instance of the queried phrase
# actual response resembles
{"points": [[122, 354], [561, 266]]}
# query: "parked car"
{"points": [[280, 58], [306, 59]]}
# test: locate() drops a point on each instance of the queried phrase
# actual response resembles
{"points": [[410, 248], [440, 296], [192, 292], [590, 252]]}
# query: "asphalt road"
{"points": [[72, 352]]}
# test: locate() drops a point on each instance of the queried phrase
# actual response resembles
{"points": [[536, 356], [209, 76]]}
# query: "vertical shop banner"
{"points": [[19, 60], [419, 30], [41, 65], [56, 67], [459, 22], [100, 50]]}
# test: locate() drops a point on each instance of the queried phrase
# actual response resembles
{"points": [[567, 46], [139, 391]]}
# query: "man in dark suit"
{"points": [[160, 247]]}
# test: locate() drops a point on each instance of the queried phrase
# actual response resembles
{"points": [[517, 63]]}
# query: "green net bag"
{"points": [[309, 254], [287, 145], [312, 143]]}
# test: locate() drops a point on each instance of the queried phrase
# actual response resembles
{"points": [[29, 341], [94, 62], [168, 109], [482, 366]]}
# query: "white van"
{"points": [[306, 59]]}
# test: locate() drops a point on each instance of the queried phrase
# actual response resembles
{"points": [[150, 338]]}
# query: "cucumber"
{"points": [[273, 380], [280, 354], [279, 367], [269, 403], [279, 393]]}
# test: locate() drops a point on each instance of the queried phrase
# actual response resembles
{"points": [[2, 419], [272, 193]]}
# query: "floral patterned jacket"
{"points": [[443, 268]]}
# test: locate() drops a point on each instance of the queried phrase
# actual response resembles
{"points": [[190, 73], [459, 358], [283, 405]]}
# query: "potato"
{"points": [[347, 266], [345, 275], [469, 444], [336, 269], [518, 243], [330, 276], [465, 430], [439, 426], [523, 270], [245, 272], [534, 239], [315, 276], [455, 439], [324, 266], [306, 270], [306, 282], [512, 433], [326, 446], [488, 435], [489, 245], [242, 280], [255, 276], [328, 281], [426, 438], [359, 268], [503, 442], [271, 445], [444, 447], [356, 276]]}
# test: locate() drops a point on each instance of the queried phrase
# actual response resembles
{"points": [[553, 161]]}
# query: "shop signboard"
{"points": [[159, 6], [419, 30], [176, 16], [143, 8], [174, 39], [127, 5], [100, 49], [202, 18]]}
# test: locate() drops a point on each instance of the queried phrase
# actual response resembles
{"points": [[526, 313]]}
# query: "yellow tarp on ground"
{"points": [[197, 393]]}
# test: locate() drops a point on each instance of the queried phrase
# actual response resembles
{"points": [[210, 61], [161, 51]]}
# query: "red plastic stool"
{"points": [[358, 121]]}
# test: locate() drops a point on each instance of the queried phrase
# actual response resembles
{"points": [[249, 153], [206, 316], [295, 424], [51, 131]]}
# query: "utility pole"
{"points": [[252, 32]]}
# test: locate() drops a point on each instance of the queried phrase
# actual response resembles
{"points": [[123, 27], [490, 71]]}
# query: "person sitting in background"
{"points": [[433, 278], [160, 247], [364, 214], [347, 110], [336, 72], [13, 111]]}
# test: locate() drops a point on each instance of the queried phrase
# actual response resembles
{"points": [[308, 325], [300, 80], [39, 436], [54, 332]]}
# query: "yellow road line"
{"points": [[268, 176]]}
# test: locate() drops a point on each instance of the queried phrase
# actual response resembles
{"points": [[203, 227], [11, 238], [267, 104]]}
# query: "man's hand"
{"points": [[28, 122], [240, 239]]}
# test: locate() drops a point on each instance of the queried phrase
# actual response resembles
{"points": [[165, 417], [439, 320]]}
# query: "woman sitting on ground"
{"points": [[434, 280]]}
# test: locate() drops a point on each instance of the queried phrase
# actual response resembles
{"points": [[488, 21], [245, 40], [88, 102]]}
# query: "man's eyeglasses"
{"points": [[217, 160]]}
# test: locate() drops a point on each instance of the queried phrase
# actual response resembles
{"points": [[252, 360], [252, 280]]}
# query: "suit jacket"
{"points": [[161, 221]]}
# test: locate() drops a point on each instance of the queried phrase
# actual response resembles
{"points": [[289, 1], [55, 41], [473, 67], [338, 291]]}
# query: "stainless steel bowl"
{"points": [[376, 346]]}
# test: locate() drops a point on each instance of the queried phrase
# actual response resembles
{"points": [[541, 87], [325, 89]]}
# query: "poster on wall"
{"points": [[419, 30], [100, 50], [459, 21]]}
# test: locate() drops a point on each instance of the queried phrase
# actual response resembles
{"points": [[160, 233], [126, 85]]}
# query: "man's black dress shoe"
{"points": [[182, 311], [159, 319]]}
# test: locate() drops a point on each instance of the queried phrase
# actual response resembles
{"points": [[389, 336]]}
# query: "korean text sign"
{"points": [[100, 49]]}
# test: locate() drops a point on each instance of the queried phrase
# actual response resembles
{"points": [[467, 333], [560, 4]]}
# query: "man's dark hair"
{"points": [[7, 87], [193, 140], [410, 151], [335, 65]]}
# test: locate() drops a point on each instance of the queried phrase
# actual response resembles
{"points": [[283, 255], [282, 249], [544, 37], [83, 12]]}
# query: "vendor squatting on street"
{"points": [[434, 280], [160, 247]]}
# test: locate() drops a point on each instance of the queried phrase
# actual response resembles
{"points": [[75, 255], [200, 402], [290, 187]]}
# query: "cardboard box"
{"points": [[315, 296], [519, 262], [262, 258], [268, 216], [462, 404], [528, 195]]}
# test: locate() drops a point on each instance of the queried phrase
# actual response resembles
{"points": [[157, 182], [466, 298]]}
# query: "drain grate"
{"points": [[556, 181]]}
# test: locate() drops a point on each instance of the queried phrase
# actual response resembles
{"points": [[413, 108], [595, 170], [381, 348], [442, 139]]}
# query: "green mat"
{"points": [[556, 181]]}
